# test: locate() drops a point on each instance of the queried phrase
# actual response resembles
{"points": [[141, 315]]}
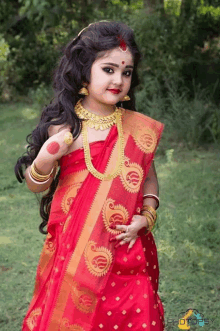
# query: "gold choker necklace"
{"points": [[96, 121], [91, 120]]}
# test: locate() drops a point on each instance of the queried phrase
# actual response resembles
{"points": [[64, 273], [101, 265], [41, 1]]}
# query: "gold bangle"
{"points": [[40, 174], [41, 178], [37, 176], [150, 220], [150, 209], [151, 224], [36, 181], [147, 213]]}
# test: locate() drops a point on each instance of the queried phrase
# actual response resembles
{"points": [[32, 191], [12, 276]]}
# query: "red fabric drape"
{"points": [[83, 282]]}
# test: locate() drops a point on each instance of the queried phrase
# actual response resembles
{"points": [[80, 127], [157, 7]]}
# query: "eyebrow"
{"points": [[116, 65]]}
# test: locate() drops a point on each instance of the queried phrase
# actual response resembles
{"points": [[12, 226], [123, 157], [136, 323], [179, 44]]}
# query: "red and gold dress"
{"points": [[83, 283]]}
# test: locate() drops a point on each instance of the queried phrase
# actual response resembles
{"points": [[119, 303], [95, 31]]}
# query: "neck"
{"points": [[97, 107]]}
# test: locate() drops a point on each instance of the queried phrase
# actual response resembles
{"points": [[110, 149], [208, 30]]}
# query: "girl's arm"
{"points": [[51, 151], [151, 187], [44, 168]]}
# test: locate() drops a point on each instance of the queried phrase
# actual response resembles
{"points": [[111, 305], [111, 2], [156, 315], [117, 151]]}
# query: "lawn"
{"points": [[187, 233]]}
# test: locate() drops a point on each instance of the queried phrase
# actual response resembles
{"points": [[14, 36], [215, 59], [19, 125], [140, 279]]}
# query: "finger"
{"points": [[64, 129], [131, 244], [121, 243], [119, 227], [119, 237]]}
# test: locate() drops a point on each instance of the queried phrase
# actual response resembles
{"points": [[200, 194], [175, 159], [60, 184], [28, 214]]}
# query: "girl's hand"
{"points": [[137, 223], [55, 147]]}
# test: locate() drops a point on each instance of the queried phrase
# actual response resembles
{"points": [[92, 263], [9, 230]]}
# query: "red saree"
{"points": [[83, 283]]}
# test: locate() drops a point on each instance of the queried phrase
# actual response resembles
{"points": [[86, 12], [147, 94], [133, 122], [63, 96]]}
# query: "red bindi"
{"points": [[123, 62], [53, 147]]}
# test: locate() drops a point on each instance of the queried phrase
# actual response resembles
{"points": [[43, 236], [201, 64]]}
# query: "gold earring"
{"points": [[84, 90], [126, 98]]}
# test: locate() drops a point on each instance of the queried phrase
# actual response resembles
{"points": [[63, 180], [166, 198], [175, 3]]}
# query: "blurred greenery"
{"points": [[179, 40], [187, 231]]}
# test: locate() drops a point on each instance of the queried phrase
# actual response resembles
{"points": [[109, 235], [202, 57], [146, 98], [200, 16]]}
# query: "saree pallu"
{"points": [[83, 283]]}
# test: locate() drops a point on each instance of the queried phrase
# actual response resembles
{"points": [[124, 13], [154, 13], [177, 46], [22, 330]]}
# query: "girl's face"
{"points": [[110, 78]]}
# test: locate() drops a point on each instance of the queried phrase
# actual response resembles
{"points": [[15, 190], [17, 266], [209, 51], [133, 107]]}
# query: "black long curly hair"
{"points": [[74, 68]]}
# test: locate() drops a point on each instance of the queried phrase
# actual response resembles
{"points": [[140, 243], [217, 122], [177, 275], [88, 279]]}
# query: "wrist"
{"points": [[44, 165]]}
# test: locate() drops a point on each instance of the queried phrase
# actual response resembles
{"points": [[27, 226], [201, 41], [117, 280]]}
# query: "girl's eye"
{"points": [[111, 71], [128, 73], [108, 70]]}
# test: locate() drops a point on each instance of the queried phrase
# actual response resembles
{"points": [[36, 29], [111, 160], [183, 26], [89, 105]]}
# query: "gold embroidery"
{"points": [[66, 326], [114, 215], [145, 138], [47, 253], [98, 260], [32, 319], [131, 176], [84, 299], [69, 179], [69, 196], [67, 223]]}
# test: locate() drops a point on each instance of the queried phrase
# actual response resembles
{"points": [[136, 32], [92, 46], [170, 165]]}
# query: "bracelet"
{"points": [[37, 182], [146, 230], [155, 197], [150, 220], [39, 177], [151, 216], [150, 209]]}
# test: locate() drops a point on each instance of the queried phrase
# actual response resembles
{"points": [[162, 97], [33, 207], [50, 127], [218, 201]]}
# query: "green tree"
{"points": [[152, 5]]}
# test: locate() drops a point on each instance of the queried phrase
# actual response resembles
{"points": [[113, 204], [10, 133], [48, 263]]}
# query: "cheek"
{"points": [[127, 83], [100, 83]]}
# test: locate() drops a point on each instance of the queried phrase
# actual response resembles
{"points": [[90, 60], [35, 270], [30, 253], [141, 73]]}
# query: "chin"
{"points": [[111, 101]]}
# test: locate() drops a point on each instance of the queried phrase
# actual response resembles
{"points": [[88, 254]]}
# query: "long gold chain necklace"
{"points": [[100, 122]]}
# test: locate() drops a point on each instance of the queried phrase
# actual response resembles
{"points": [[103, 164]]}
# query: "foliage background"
{"points": [[179, 41]]}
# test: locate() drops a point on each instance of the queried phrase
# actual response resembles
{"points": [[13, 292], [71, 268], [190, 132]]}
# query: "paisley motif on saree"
{"points": [[77, 259]]}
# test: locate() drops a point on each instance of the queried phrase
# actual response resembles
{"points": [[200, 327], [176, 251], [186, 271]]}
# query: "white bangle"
{"points": [[36, 182]]}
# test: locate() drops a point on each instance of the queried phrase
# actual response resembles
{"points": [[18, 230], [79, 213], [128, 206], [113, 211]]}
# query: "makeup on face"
{"points": [[117, 66], [114, 91], [110, 78]]}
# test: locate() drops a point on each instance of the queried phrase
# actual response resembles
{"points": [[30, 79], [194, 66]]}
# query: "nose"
{"points": [[118, 79]]}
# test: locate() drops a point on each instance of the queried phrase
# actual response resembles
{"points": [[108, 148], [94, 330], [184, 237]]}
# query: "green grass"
{"points": [[187, 233]]}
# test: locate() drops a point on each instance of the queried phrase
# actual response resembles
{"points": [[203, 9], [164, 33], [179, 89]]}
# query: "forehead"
{"points": [[115, 55]]}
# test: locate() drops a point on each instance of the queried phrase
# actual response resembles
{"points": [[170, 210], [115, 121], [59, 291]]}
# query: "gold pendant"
{"points": [[120, 159]]}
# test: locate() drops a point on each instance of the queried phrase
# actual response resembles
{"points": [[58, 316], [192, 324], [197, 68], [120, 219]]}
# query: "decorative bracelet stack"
{"points": [[150, 214], [39, 178]]}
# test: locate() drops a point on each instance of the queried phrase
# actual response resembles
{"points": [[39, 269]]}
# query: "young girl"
{"points": [[98, 269]]}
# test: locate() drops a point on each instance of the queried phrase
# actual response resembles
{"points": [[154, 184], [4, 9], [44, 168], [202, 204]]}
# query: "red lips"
{"points": [[115, 91]]}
